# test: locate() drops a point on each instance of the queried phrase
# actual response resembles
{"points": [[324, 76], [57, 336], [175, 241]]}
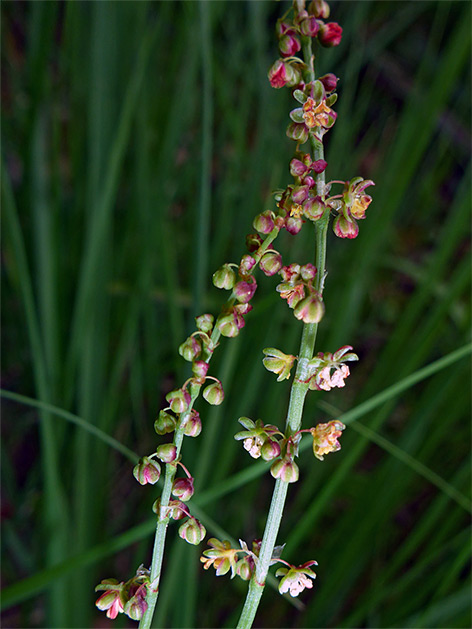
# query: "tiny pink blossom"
{"points": [[110, 601]]}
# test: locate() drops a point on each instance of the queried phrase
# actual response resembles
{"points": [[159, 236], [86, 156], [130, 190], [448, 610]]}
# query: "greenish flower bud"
{"points": [[309, 310], [205, 322], [224, 277], [136, 607], [227, 325], [164, 423], [270, 450], [192, 531], [147, 471], [263, 223], [179, 400], [298, 132], [285, 469], [167, 452], [271, 263], [192, 425], [190, 349], [214, 393], [200, 370]]}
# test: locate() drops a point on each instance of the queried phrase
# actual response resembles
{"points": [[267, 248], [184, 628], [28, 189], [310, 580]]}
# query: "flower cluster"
{"points": [[297, 288], [327, 371], [316, 115], [259, 439], [224, 558], [350, 206], [127, 598], [287, 71]]}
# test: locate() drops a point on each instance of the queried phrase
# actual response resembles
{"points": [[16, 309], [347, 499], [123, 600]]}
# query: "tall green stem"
{"points": [[298, 391], [163, 515]]}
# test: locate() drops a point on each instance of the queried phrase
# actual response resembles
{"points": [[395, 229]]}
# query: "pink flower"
{"points": [[110, 600], [293, 294], [296, 579]]}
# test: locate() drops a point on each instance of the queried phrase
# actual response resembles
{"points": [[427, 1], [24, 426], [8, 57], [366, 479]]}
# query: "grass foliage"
{"points": [[139, 140]]}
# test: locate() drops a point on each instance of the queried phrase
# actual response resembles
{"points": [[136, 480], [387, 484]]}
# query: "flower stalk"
{"points": [[295, 411], [302, 286]]}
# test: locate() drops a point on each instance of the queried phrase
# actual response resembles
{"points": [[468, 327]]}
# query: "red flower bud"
{"points": [[293, 225], [244, 291], [253, 242], [205, 322], [330, 34], [176, 509], [298, 168], [183, 488], [279, 74], [246, 265], [283, 27], [309, 181], [319, 165], [147, 471], [314, 208], [299, 194], [308, 271], [329, 82], [136, 607]]}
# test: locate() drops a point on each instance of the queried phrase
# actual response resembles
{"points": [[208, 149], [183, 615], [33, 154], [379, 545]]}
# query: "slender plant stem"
{"points": [[163, 515], [298, 391]]}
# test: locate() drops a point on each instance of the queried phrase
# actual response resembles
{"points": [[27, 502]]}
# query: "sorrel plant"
{"points": [[309, 201]]}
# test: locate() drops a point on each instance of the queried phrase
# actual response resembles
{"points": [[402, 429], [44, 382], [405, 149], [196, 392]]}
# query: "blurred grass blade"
{"points": [[74, 419]]}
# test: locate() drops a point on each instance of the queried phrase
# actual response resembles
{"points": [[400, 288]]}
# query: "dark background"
{"points": [[139, 139]]}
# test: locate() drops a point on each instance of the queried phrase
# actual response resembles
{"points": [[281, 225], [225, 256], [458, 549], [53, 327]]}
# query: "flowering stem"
{"points": [[298, 391], [171, 469]]}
